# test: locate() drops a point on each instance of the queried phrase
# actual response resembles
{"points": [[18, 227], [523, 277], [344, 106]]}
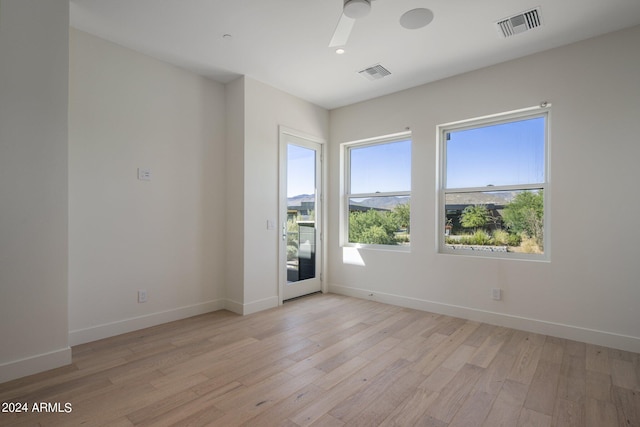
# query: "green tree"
{"points": [[475, 216], [402, 214], [373, 227], [525, 214]]}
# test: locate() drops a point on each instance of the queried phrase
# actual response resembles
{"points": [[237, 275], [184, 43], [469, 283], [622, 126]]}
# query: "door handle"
{"points": [[284, 231]]}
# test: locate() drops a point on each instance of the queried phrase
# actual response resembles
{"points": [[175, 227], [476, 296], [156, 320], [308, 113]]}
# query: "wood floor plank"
{"points": [[245, 405], [199, 411], [553, 350], [531, 418], [343, 390], [459, 357], [278, 413], [438, 379], [391, 397], [340, 373], [530, 350], [474, 410], [568, 413], [599, 413], [326, 421], [480, 335], [442, 351], [573, 374], [598, 386], [453, 395], [495, 375], [507, 405], [627, 404], [543, 388], [411, 409], [348, 409], [331, 360], [502, 414], [490, 347], [597, 359], [624, 375]]}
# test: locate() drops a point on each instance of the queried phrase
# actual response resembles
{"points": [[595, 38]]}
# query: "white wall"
{"points": [[33, 186], [265, 109], [167, 235], [234, 274], [589, 291]]}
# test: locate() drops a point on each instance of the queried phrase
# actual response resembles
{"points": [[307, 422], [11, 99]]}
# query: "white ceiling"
{"points": [[284, 43]]}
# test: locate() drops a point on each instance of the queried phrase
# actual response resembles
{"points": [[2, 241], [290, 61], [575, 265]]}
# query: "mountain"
{"points": [[486, 198], [297, 200], [386, 203]]}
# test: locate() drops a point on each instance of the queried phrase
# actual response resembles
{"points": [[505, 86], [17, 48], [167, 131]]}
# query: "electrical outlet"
{"points": [[142, 296], [496, 294], [144, 174]]}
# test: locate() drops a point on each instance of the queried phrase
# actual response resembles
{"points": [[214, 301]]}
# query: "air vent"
{"points": [[375, 72], [520, 23]]}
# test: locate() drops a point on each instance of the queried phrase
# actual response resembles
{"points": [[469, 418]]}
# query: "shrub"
{"points": [[376, 235], [525, 214], [514, 240], [402, 238], [292, 253], [474, 216], [530, 246], [481, 237], [373, 227], [500, 237]]}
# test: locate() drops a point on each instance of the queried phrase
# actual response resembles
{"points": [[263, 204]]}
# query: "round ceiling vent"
{"points": [[416, 18]]}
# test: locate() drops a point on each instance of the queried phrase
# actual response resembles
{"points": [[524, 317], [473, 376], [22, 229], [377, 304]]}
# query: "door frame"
{"points": [[321, 214]]}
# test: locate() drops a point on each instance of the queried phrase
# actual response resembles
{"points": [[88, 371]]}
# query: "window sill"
{"points": [[388, 248]]}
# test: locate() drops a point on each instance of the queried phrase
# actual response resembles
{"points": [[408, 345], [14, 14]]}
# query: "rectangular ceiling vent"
{"points": [[520, 23], [375, 72]]}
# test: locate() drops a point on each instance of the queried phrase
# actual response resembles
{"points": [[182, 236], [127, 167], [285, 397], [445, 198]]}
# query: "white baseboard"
{"points": [[252, 307], [81, 336], [591, 336], [34, 364], [234, 306]]}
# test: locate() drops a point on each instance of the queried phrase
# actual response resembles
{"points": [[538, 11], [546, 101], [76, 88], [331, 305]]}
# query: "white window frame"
{"points": [[346, 188], [544, 110]]}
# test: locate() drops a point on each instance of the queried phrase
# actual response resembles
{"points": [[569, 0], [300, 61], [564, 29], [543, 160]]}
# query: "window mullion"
{"points": [[379, 194], [496, 188]]}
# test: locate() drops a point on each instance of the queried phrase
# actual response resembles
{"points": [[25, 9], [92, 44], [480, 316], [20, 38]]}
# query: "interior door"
{"points": [[301, 215]]}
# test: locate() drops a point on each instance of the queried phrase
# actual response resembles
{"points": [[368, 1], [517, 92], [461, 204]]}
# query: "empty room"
{"points": [[319, 213]]}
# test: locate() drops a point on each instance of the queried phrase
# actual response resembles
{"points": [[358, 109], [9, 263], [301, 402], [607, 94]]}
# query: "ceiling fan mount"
{"points": [[356, 9]]}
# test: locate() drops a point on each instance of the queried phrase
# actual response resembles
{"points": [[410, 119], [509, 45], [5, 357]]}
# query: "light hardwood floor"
{"points": [[329, 360]]}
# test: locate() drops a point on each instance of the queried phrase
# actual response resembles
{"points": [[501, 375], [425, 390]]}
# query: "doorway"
{"points": [[300, 215]]}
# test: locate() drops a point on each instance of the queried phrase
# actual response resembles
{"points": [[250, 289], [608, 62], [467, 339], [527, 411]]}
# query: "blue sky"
{"points": [[381, 168], [301, 170], [506, 154]]}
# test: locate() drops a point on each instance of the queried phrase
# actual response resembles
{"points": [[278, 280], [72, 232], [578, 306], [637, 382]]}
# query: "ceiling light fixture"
{"points": [[340, 51], [416, 18], [356, 8]]}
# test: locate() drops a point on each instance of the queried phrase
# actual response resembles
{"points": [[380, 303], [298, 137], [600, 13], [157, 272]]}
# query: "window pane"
{"points": [[381, 168], [379, 220], [502, 154], [507, 221], [301, 167]]}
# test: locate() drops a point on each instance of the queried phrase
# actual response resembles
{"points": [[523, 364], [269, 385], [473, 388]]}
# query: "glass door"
{"points": [[300, 217]]}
